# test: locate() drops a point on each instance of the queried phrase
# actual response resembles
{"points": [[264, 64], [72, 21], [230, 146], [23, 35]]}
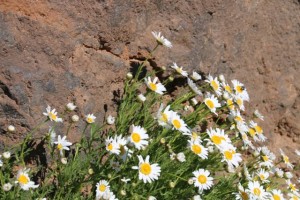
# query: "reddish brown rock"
{"points": [[60, 51]]}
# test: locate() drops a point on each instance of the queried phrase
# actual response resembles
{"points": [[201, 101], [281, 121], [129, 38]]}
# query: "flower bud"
{"points": [[123, 192], [172, 184], [141, 98], [171, 78], [11, 128], [6, 155], [129, 75], [64, 161], [91, 171], [75, 118], [190, 181], [71, 106], [162, 140], [6, 187], [110, 120], [194, 101]]}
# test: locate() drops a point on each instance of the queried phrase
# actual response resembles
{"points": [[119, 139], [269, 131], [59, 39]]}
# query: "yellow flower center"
{"points": [[179, 70], [164, 117], [153, 86], [214, 84], [252, 132], [52, 116], [228, 88], [286, 159], [238, 118], [145, 168], [228, 155], [176, 123], [90, 120], [102, 188], [23, 179], [122, 150], [230, 104], [110, 147], [136, 137], [295, 197], [276, 197], [202, 179], [217, 139], [239, 89], [262, 177], [239, 102], [257, 191], [196, 149], [210, 104], [258, 129], [59, 146], [265, 158], [292, 187], [244, 196]]}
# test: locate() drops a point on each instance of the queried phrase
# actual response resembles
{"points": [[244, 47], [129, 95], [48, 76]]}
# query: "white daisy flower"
{"points": [[161, 40], [291, 186], [276, 195], [71, 106], [147, 172], [181, 157], [52, 114], [202, 180], [218, 138], [24, 181], [195, 76], [112, 146], [240, 90], [164, 117], [258, 115], [90, 118], [226, 88], [258, 129], [239, 101], [102, 189], [231, 157], [279, 172], [139, 137], [110, 120], [242, 194], [257, 191], [293, 196], [230, 104], [197, 197], [179, 124], [194, 87], [263, 175], [62, 144], [156, 87], [286, 159], [198, 149], [212, 103], [215, 84], [179, 70]]}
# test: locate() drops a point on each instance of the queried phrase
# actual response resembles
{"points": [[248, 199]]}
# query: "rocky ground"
{"points": [[54, 52]]}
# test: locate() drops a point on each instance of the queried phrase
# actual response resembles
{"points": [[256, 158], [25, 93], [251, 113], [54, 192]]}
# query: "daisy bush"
{"points": [[194, 143]]}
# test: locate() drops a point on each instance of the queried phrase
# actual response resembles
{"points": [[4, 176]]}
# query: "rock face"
{"points": [[53, 52]]}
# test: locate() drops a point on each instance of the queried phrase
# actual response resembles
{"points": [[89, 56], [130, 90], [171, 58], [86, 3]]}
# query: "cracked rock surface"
{"points": [[55, 52]]}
